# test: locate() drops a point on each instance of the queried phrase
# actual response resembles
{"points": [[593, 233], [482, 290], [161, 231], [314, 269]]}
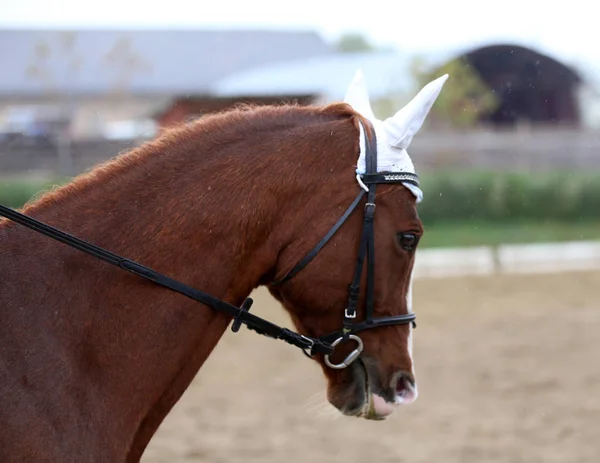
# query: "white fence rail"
{"points": [[508, 258]]}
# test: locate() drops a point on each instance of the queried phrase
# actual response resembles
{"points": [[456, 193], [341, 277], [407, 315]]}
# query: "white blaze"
{"points": [[409, 308]]}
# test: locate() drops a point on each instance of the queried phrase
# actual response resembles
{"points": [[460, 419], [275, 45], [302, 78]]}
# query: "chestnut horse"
{"points": [[92, 358]]}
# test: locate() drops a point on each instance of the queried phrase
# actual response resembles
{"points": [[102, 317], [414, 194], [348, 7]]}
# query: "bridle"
{"points": [[367, 248], [241, 315]]}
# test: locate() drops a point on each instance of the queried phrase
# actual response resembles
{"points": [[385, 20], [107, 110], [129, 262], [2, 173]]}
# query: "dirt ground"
{"points": [[508, 370]]}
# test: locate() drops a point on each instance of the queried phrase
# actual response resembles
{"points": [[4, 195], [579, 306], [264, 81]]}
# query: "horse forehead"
{"points": [[398, 200]]}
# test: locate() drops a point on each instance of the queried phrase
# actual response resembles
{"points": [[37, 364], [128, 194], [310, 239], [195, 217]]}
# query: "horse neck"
{"points": [[215, 223], [202, 221]]}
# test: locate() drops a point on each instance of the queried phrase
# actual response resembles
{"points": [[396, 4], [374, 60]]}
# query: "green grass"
{"points": [[505, 197], [479, 233], [16, 192]]}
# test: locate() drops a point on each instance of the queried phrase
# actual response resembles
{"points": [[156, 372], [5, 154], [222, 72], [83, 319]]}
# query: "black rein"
{"points": [[240, 314]]}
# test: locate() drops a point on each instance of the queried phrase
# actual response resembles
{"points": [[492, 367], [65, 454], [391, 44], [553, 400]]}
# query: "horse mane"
{"points": [[235, 123]]}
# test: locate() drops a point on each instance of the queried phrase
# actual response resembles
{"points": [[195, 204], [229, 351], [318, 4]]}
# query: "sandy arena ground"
{"points": [[508, 371]]}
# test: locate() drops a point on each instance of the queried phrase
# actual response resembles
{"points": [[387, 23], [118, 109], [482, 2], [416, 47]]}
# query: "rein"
{"points": [[241, 315]]}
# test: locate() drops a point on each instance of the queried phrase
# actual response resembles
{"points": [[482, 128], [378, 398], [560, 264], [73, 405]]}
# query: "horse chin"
{"points": [[357, 398]]}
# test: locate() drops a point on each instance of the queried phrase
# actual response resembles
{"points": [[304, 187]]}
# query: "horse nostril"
{"points": [[405, 388], [402, 383]]}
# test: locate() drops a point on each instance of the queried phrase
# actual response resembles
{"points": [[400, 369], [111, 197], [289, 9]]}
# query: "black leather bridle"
{"points": [[367, 248], [324, 345]]}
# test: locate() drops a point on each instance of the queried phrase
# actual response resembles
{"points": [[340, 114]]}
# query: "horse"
{"points": [[94, 356]]}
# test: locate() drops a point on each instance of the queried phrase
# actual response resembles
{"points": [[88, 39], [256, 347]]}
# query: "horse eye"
{"points": [[407, 241]]}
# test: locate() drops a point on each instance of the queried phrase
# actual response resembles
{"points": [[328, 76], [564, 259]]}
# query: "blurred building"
{"points": [[123, 84], [532, 86], [116, 83]]}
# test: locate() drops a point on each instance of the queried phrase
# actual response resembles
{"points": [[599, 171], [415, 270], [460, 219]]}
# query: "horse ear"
{"points": [[357, 96], [402, 127]]}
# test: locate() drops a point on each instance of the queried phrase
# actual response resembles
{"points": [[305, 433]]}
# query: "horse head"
{"points": [[340, 292]]}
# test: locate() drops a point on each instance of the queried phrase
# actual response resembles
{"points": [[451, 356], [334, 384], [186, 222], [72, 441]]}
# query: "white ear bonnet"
{"points": [[395, 133]]}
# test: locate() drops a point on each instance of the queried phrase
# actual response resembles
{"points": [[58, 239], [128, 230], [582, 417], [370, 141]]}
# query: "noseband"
{"points": [[367, 248], [310, 346]]}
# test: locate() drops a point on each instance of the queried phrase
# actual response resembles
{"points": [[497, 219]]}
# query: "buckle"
{"points": [[308, 349], [351, 357]]}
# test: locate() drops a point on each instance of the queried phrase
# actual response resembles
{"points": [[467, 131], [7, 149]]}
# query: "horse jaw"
{"points": [[395, 133]]}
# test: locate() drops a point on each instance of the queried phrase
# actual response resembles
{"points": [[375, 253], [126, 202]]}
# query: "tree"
{"points": [[125, 62], [353, 42], [42, 70], [51, 56], [465, 97]]}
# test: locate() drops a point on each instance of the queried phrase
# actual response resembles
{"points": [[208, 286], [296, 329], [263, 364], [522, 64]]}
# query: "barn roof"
{"points": [[328, 76], [145, 61]]}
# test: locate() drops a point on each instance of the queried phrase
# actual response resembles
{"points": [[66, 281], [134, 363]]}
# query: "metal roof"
{"points": [[328, 76], [143, 61]]}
